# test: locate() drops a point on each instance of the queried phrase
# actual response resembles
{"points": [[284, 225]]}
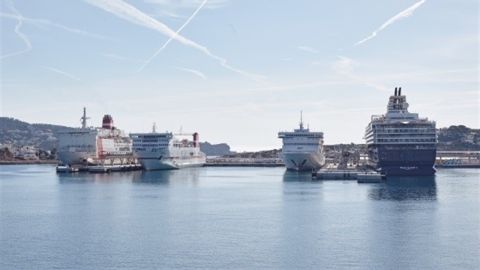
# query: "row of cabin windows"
{"points": [[152, 145], [406, 140], [416, 130], [428, 135], [301, 144]]}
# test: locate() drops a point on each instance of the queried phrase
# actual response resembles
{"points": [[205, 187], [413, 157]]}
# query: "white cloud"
{"points": [[38, 22], [308, 49], [187, 4], [130, 13], [172, 37], [193, 71], [116, 57], [404, 14], [61, 72], [21, 35], [345, 66]]}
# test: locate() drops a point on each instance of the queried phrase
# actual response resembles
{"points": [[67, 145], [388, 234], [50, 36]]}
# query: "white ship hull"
{"points": [[151, 164], [72, 158], [303, 161]]}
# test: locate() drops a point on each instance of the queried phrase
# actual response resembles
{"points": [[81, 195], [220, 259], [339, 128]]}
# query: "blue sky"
{"points": [[239, 70]]}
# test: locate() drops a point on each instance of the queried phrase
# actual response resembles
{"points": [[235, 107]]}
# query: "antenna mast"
{"points": [[84, 118]]}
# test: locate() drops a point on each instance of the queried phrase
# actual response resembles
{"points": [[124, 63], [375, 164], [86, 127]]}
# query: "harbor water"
{"points": [[236, 218]]}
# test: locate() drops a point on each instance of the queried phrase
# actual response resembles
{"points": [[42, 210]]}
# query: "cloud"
{"points": [[61, 72], [404, 14], [130, 13], [345, 66], [172, 37], [21, 35], [187, 4], [121, 58], [38, 22], [308, 49], [193, 71]]}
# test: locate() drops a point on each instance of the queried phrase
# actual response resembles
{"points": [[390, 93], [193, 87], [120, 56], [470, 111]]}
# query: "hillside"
{"points": [[16, 133], [459, 138]]}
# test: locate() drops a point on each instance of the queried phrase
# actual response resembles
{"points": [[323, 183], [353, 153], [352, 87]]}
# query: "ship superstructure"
{"points": [[400, 142], [90, 146], [163, 151], [302, 149]]}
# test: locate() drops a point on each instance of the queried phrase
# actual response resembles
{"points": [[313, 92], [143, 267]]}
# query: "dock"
{"points": [[99, 168], [361, 176], [244, 162]]}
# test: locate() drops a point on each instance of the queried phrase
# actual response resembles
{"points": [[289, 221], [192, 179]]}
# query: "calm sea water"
{"points": [[240, 218]]}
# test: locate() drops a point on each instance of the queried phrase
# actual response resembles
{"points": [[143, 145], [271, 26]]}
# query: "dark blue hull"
{"points": [[401, 160]]}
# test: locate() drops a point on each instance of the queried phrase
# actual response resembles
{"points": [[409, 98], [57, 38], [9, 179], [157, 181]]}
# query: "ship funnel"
{"points": [[395, 91], [107, 122], [399, 91], [195, 140]]}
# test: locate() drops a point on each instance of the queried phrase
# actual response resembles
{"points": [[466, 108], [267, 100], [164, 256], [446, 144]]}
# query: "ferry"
{"points": [[302, 149], [163, 151], [90, 146]]}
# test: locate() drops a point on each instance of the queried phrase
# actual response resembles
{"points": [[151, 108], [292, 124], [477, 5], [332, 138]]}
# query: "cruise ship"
{"points": [[163, 151], [91, 146], [400, 142], [302, 149]]}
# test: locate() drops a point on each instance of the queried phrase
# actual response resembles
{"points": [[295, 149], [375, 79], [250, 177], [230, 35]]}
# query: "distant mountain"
{"points": [[460, 138], [220, 149], [17, 133]]}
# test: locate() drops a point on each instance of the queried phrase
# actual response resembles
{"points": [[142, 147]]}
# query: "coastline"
{"points": [[29, 162]]}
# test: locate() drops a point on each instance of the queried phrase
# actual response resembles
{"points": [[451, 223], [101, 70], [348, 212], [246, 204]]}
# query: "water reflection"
{"points": [[405, 188], [165, 177], [293, 176], [84, 177]]}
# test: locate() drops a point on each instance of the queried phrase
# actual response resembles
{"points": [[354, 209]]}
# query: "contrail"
{"points": [[193, 71], [50, 23], [171, 38], [21, 35], [130, 13], [61, 72], [404, 14]]}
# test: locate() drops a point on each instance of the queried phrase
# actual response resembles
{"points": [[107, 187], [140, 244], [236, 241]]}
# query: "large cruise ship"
{"points": [[163, 151], [400, 142], [88, 145], [302, 149]]}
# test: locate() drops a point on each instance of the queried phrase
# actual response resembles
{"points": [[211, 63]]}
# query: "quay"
{"points": [[362, 176], [244, 162], [99, 168]]}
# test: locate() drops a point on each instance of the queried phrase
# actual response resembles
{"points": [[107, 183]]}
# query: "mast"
{"points": [[154, 127], [84, 118]]}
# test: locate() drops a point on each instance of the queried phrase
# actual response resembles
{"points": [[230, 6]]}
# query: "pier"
{"points": [[244, 162], [361, 176], [99, 168]]}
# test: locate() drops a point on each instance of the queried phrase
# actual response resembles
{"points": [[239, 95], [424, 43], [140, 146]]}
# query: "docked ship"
{"points": [[302, 149], [164, 151], [400, 142], [94, 146]]}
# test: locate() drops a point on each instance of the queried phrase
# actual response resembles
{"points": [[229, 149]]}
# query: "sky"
{"points": [[239, 71]]}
